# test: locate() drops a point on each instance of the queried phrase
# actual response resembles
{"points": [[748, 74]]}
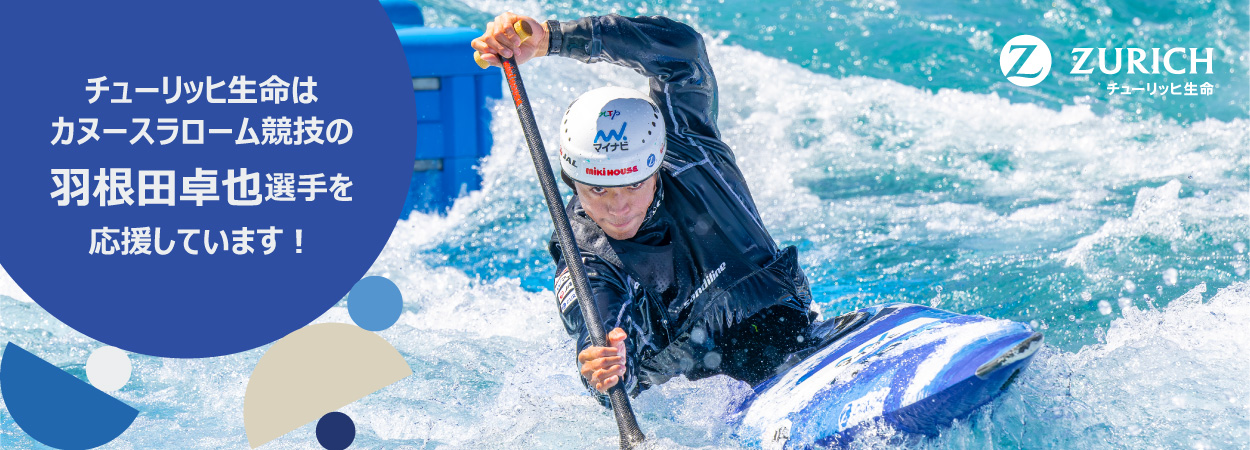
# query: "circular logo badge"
{"points": [[651, 160], [1025, 60]]}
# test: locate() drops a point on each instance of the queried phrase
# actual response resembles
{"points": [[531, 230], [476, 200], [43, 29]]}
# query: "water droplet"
{"points": [[1130, 286], [1087, 296], [1169, 277], [711, 360], [1239, 247], [698, 335], [1137, 21], [1125, 303], [1104, 307]]}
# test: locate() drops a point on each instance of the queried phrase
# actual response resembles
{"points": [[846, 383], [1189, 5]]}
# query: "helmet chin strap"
{"points": [[656, 199]]}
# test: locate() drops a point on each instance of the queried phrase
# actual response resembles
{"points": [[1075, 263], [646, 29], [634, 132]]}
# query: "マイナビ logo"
{"points": [[612, 135]]}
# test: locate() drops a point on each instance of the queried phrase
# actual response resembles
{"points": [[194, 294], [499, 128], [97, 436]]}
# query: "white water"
{"points": [[494, 368]]}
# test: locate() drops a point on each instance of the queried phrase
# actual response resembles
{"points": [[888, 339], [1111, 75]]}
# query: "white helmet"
{"points": [[611, 136]]}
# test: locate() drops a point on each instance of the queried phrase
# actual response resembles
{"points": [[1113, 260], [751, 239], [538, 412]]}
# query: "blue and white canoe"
{"points": [[911, 367]]}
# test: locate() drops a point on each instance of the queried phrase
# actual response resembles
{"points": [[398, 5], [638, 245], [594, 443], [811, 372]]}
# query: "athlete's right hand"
{"points": [[603, 367], [501, 39]]}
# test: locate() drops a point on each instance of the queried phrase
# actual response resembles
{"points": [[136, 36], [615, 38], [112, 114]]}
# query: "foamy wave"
{"points": [[1156, 212], [1175, 377], [801, 135]]}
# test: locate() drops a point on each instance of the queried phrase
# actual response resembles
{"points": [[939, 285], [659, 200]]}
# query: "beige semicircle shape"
{"points": [[314, 371]]}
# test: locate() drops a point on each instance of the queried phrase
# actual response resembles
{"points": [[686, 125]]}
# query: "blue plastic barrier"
{"points": [[453, 122]]}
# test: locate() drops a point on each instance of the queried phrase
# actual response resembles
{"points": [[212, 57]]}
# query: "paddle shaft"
{"points": [[625, 421]]}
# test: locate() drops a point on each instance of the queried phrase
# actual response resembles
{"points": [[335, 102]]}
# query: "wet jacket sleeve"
{"points": [[673, 58], [612, 296]]}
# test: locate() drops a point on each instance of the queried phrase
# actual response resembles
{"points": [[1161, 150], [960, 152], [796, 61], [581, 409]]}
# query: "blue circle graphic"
{"points": [[336, 431], [375, 303], [169, 102]]}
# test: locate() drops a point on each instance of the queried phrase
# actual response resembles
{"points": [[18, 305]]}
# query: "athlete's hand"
{"points": [[500, 38], [603, 367]]}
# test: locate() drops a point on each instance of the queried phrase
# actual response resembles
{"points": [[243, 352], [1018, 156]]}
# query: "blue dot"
{"points": [[375, 303], [335, 431]]}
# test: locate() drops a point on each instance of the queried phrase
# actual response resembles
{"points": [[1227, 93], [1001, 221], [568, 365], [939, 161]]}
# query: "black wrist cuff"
{"points": [[555, 42]]}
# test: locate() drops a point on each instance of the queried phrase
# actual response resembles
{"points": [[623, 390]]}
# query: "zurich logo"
{"points": [[1025, 60], [651, 160]]}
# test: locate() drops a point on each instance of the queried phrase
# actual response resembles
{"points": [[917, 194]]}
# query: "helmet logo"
{"points": [[610, 114], [651, 160], [612, 135], [609, 138], [610, 172]]}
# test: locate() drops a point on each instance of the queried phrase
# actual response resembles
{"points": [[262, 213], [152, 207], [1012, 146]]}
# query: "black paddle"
{"points": [[631, 435]]}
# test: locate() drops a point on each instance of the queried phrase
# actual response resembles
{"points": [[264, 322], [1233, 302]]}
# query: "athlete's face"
{"points": [[619, 211]]}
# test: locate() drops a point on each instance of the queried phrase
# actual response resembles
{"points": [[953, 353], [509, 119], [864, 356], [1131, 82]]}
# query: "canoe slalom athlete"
{"points": [[683, 271]]}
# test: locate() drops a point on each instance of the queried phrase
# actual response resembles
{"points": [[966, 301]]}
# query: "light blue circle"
{"points": [[375, 303]]}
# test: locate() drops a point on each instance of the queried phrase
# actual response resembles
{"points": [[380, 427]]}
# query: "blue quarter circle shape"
{"points": [[57, 409]]}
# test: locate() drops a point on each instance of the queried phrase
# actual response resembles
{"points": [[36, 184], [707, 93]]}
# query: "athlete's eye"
{"points": [[636, 186], [597, 190]]}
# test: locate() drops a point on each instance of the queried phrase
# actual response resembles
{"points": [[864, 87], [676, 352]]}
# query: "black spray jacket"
{"points": [[702, 289]]}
